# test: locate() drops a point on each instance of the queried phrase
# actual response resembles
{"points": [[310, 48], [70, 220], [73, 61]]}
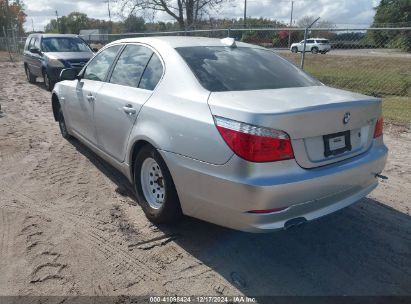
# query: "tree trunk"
{"points": [[190, 13]]}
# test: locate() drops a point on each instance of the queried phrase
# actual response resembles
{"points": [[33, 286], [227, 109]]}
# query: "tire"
{"points": [[294, 50], [62, 125], [30, 77], [48, 83], [314, 50], [155, 188]]}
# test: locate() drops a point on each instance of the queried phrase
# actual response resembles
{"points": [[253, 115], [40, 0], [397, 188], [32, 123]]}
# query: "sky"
{"points": [[352, 13]]}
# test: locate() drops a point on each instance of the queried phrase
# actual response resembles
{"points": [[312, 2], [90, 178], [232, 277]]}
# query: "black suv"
{"points": [[45, 55]]}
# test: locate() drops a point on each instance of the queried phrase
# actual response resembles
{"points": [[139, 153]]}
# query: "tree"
{"points": [[392, 12], [323, 24], [133, 24], [75, 21], [186, 12], [12, 16]]}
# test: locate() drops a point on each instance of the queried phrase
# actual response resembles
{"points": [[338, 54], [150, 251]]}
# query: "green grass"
{"points": [[386, 77], [397, 109], [376, 76]]}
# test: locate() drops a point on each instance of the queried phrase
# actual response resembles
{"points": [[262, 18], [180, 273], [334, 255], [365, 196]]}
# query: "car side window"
{"points": [[37, 43], [27, 46], [32, 41], [130, 65], [98, 68], [310, 41], [152, 74]]}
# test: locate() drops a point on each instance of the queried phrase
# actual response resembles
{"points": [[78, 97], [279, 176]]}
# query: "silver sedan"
{"points": [[223, 131]]}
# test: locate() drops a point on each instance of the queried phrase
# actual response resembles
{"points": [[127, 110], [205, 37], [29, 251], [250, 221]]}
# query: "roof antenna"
{"points": [[229, 42]]}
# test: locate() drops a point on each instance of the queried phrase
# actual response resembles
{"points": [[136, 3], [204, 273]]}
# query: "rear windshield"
{"points": [[222, 69]]}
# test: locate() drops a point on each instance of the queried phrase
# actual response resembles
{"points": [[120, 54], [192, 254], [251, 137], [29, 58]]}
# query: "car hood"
{"points": [[70, 55]]}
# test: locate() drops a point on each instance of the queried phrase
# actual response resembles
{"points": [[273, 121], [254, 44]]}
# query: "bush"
{"points": [[401, 41]]}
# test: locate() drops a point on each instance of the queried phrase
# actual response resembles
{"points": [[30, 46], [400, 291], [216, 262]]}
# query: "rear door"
{"points": [[132, 81], [81, 106]]}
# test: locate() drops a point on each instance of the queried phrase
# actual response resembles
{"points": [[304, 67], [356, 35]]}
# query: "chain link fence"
{"points": [[11, 42], [373, 61]]}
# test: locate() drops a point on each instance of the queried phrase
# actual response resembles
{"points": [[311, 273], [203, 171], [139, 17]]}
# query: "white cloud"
{"points": [[354, 12]]}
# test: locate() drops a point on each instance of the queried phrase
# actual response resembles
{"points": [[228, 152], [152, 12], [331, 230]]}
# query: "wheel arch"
{"points": [[135, 148], [55, 103]]}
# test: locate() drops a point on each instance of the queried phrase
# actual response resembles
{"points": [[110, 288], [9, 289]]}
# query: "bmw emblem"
{"points": [[347, 117]]}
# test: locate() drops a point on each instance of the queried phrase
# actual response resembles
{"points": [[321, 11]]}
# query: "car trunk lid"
{"points": [[325, 125]]}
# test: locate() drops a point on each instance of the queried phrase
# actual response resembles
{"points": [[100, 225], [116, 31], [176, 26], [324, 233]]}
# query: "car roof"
{"points": [[53, 35], [178, 41]]}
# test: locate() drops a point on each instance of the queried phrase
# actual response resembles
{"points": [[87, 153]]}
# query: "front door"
{"points": [[81, 107], [309, 45], [35, 60]]}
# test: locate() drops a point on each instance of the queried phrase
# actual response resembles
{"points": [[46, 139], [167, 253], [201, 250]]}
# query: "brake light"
{"points": [[379, 127], [253, 143]]}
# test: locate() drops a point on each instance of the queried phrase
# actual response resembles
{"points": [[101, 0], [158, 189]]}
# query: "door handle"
{"points": [[129, 109], [90, 98]]}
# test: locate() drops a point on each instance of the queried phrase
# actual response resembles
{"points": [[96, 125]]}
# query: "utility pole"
{"points": [[32, 24], [291, 24], [57, 21], [109, 14], [245, 13]]}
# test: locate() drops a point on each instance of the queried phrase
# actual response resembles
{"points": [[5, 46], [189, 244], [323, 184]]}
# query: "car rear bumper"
{"points": [[225, 194]]}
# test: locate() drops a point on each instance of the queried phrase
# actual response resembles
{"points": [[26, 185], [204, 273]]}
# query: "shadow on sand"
{"points": [[363, 250]]}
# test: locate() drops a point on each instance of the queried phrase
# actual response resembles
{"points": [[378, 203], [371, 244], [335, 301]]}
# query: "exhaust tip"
{"points": [[295, 222], [383, 177]]}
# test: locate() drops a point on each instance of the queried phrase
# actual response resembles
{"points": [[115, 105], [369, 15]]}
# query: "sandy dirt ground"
{"points": [[69, 225]]}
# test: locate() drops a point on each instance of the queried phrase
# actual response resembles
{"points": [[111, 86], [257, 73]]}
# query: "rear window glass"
{"points": [[130, 66], [152, 74], [221, 69]]}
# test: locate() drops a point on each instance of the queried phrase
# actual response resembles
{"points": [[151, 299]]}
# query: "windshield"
{"points": [[64, 44], [238, 69]]}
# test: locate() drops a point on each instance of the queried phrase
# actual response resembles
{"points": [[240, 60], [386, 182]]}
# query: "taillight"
{"points": [[379, 128], [253, 143]]}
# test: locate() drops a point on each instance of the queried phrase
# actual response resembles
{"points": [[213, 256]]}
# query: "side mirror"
{"points": [[35, 51], [68, 74]]}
